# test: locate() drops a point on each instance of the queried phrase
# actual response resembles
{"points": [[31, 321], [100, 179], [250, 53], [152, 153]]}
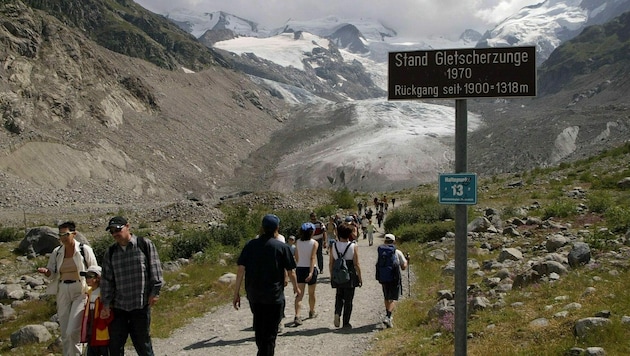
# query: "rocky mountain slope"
{"points": [[83, 124]]}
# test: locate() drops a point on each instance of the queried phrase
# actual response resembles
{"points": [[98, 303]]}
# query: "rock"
{"points": [[6, 313], [438, 254], [547, 267], [30, 334], [540, 322], [579, 255], [625, 319], [624, 183], [478, 303], [595, 351], [481, 224], [510, 254], [583, 326], [603, 314], [556, 241], [228, 278], [11, 291]]}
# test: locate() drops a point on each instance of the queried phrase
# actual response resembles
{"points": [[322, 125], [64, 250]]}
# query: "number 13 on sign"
{"points": [[458, 188]]}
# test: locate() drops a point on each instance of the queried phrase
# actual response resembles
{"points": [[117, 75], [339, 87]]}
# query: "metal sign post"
{"points": [[460, 74]]}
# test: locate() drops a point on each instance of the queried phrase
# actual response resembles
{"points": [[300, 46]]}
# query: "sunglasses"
{"points": [[91, 275], [113, 230], [68, 233]]}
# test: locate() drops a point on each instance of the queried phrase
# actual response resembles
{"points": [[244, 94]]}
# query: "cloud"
{"points": [[422, 18]]}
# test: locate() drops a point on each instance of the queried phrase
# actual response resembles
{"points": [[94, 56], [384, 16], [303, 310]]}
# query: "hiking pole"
{"points": [[408, 276]]}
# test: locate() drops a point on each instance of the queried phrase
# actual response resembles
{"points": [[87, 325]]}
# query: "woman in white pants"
{"points": [[64, 265]]}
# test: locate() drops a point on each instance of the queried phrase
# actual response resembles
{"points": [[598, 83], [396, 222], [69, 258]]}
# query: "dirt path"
{"points": [[228, 332]]}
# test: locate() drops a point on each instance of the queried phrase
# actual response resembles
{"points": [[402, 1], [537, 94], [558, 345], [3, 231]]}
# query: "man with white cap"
{"points": [[390, 262]]}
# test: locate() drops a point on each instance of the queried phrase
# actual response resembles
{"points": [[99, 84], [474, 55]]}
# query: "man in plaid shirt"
{"points": [[130, 286]]}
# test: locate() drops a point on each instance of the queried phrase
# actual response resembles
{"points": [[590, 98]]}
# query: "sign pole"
{"points": [[461, 231]]}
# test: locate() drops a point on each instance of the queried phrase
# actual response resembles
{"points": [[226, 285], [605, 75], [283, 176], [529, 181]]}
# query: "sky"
{"points": [[422, 18]]}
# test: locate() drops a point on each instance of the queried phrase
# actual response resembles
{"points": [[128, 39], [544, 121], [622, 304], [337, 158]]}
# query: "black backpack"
{"points": [[387, 268], [340, 272]]}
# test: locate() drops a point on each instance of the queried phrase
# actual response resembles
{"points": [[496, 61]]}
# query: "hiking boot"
{"points": [[312, 314], [297, 321], [347, 326], [387, 321], [337, 320]]}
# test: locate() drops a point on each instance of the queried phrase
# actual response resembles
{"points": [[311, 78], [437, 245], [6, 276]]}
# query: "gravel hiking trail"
{"points": [[226, 331]]}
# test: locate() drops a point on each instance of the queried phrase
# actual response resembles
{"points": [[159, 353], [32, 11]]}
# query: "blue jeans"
{"points": [[134, 323]]}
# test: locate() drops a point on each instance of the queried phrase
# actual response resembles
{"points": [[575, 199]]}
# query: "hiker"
{"points": [[349, 251], [305, 255], [359, 207], [65, 264], [263, 263], [370, 232], [130, 285], [379, 218], [291, 243], [390, 262], [364, 226], [331, 230], [94, 329], [321, 237]]}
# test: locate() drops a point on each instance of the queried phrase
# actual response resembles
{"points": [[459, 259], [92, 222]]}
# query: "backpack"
{"points": [[340, 272], [387, 268]]}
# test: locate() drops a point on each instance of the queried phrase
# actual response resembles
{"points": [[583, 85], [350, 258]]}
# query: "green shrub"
{"points": [[189, 243], [291, 220], [424, 232], [343, 198], [618, 219], [421, 209], [599, 202], [560, 209], [100, 245], [8, 234]]}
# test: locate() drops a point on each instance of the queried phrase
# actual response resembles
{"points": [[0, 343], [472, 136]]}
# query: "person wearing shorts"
{"points": [[305, 257], [392, 291]]}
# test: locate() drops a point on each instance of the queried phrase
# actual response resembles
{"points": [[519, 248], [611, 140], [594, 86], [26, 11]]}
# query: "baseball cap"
{"points": [[349, 218], [117, 222], [390, 237], [270, 221], [93, 269], [292, 238], [308, 226]]}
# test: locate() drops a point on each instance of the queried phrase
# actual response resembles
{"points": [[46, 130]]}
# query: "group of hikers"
{"points": [[101, 306], [267, 264]]}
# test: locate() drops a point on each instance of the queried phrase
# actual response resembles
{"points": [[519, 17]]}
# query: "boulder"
{"points": [[481, 224], [30, 334], [6, 312], [556, 241], [624, 183], [579, 255], [583, 326], [42, 240], [510, 254]]}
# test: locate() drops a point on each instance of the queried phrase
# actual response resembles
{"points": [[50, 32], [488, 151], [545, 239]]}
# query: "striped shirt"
{"points": [[128, 279]]}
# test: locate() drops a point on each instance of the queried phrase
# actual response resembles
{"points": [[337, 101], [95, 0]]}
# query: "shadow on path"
{"points": [[218, 343]]}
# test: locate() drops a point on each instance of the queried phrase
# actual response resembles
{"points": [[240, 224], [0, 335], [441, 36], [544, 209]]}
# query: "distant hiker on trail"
{"points": [[393, 203], [390, 262], [320, 236], [360, 207], [331, 231], [379, 218], [370, 232], [364, 227], [263, 262], [345, 291], [305, 255], [376, 203]]}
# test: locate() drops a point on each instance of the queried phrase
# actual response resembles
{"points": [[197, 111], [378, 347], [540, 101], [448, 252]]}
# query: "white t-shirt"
{"points": [[304, 251], [341, 246], [281, 238]]}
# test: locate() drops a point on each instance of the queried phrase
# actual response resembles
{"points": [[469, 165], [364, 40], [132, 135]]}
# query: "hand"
{"points": [[44, 270], [105, 313], [236, 302], [154, 299], [308, 279]]}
